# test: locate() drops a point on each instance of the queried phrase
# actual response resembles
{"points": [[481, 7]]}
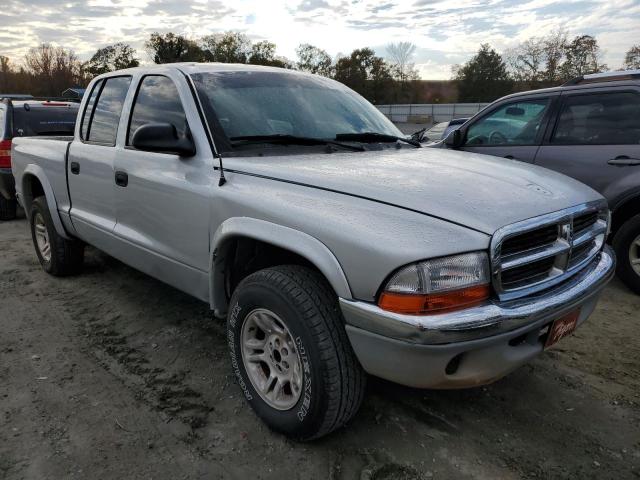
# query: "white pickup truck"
{"points": [[333, 245]]}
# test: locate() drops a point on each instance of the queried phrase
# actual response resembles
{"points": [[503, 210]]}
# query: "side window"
{"points": [[157, 101], [88, 110], [606, 118], [516, 123], [103, 125]]}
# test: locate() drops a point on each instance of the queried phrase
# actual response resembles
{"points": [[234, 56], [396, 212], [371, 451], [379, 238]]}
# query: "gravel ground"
{"points": [[112, 374]]}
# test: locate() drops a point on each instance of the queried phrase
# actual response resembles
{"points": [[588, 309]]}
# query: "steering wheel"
{"points": [[496, 138]]}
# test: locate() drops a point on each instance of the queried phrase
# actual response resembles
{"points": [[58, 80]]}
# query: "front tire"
{"points": [[58, 256], [290, 352], [626, 243], [8, 208]]}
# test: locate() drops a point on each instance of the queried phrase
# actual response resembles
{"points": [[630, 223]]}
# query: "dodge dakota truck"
{"points": [[334, 246]]}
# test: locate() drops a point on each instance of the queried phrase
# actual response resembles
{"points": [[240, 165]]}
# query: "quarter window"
{"points": [[512, 124], [157, 101], [608, 118], [103, 122]]}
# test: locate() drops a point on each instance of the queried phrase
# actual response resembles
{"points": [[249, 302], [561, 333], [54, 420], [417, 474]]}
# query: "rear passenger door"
{"points": [[512, 129], [90, 166], [596, 139]]}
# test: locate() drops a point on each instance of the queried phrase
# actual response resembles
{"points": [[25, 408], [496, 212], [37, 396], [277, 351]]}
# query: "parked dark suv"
{"points": [[589, 129], [28, 117]]}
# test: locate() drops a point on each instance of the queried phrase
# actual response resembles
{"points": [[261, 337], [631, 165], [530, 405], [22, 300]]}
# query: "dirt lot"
{"points": [[112, 374]]}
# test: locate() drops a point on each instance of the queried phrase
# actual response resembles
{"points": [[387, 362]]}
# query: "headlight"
{"points": [[434, 286]]}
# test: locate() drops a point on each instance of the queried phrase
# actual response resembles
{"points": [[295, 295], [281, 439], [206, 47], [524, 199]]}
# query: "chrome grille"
{"points": [[538, 253]]}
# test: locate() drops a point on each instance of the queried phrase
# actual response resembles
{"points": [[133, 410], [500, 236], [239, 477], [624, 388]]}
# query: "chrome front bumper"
{"points": [[486, 342]]}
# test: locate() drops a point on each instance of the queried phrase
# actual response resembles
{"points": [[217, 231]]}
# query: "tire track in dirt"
{"points": [[161, 388]]}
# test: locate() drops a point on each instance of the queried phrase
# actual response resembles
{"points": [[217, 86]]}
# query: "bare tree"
{"points": [[554, 48], [632, 58], [400, 56], [5, 74], [527, 60], [54, 68]]}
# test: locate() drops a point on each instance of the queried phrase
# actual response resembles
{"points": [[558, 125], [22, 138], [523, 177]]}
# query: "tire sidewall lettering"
{"points": [[235, 365]]}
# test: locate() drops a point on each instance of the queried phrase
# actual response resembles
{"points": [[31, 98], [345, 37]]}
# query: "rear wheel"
{"points": [[626, 243], [290, 352], [58, 256], [8, 208]]}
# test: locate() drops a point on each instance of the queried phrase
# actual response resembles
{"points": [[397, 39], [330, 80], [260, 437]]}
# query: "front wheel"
{"points": [[626, 243], [290, 352]]}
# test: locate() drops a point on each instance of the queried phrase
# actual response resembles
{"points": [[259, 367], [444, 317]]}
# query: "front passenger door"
{"points": [[163, 204], [513, 130]]}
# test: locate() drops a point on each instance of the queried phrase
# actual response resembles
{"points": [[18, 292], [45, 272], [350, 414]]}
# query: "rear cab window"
{"points": [[104, 107]]}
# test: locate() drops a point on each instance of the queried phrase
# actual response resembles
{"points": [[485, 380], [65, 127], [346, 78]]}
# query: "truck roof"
{"points": [[195, 67]]}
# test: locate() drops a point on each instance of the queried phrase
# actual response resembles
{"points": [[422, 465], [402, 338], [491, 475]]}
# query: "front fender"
{"points": [[296, 241], [26, 198]]}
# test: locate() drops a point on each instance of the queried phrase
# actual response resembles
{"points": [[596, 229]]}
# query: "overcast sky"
{"points": [[446, 32]]}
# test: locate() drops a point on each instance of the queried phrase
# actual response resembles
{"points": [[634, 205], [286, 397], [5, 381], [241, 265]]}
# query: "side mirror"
{"points": [[163, 138], [454, 139]]}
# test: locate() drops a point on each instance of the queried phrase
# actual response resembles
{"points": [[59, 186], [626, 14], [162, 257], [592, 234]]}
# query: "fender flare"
{"points": [[37, 172], [288, 238]]}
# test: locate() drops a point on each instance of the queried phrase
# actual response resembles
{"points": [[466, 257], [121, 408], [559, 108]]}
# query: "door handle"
{"points": [[624, 160], [75, 168], [122, 179]]}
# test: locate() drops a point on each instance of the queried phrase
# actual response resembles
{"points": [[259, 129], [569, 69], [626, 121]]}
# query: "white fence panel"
{"points": [[437, 112]]}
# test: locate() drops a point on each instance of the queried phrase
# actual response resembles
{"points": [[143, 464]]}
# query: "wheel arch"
{"points": [[296, 246], [623, 211], [34, 183]]}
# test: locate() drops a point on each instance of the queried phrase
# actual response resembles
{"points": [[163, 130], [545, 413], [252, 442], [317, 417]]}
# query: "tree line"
{"points": [[47, 70], [535, 63]]}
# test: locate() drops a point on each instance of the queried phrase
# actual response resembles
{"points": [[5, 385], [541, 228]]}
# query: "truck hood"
{"points": [[481, 192]]}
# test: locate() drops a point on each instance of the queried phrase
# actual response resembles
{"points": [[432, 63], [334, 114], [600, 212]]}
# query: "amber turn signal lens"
{"points": [[418, 304]]}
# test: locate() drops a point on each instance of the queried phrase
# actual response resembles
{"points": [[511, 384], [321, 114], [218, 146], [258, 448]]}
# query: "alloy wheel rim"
{"points": [[42, 237], [634, 255], [271, 359]]}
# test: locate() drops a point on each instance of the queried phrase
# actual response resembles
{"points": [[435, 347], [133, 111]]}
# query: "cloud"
{"points": [[446, 32]]}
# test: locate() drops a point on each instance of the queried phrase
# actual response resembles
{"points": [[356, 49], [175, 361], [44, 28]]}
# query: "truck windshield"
{"points": [[251, 104]]}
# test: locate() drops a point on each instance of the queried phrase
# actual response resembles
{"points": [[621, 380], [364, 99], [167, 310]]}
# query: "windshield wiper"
{"points": [[370, 137], [283, 139]]}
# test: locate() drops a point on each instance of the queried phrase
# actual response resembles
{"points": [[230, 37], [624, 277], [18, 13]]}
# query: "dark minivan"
{"points": [[588, 129], [28, 117]]}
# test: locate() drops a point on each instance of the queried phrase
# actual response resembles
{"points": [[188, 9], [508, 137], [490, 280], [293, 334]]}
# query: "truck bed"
{"points": [[46, 156]]}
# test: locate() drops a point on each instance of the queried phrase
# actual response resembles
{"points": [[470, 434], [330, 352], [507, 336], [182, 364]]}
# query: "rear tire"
{"points": [[626, 243], [8, 208], [285, 316], [58, 256]]}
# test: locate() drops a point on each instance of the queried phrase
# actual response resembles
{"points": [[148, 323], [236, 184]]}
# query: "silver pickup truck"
{"points": [[333, 245]]}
